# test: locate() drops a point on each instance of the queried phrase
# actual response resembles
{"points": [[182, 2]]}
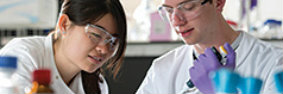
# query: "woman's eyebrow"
{"points": [[115, 34], [101, 27]]}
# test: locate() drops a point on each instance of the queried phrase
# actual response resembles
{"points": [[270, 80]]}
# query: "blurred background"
{"points": [[148, 35]]}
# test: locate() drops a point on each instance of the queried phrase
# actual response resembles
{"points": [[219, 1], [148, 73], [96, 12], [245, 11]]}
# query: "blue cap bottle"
{"points": [[8, 65]]}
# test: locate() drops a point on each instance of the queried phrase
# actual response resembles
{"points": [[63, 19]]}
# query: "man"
{"points": [[201, 26]]}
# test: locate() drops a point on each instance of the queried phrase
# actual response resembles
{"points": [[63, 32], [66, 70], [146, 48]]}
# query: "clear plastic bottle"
{"points": [[8, 65]]}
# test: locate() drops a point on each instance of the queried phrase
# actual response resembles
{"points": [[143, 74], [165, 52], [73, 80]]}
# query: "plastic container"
{"points": [[40, 82], [250, 85], [8, 65], [225, 81], [279, 81], [271, 29]]}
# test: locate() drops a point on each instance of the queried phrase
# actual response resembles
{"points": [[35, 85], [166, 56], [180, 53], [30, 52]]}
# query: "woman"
{"points": [[89, 34]]}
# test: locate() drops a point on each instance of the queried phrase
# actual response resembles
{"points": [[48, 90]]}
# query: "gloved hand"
{"points": [[231, 57], [207, 63]]}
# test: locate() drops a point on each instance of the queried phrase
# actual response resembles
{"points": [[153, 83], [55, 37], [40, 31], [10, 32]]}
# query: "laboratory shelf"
{"points": [[146, 49]]}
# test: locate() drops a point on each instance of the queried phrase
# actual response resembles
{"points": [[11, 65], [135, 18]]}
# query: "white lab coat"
{"points": [[37, 52], [169, 73]]}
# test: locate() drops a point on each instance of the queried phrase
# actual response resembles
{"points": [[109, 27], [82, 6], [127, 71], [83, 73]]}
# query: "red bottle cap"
{"points": [[42, 76]]}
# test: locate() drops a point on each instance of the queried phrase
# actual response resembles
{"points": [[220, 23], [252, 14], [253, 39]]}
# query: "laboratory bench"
{"points": [[159, 48]]}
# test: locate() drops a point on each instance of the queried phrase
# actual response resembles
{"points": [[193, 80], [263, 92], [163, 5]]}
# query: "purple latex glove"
{"points": [[231, 57], [207, 63]]}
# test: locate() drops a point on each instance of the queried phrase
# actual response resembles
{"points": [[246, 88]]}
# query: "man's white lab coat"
{"points": [[169, 73]]}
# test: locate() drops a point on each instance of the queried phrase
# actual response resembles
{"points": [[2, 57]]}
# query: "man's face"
{"points": [[191, 19]]}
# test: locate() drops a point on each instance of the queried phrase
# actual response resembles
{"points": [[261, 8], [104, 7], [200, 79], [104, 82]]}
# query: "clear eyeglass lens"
{"points": [[190, 8], [98, 36]]}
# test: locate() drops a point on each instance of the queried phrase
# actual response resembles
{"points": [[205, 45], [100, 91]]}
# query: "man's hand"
{"points": [[207, 63]]}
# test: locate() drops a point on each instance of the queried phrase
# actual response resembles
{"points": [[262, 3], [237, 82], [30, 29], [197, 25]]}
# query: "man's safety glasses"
{"points": [[190, 9]]}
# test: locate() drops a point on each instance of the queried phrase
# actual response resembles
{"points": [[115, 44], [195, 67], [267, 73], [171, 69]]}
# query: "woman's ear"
{"points": [[219, 4], [64, 24]]}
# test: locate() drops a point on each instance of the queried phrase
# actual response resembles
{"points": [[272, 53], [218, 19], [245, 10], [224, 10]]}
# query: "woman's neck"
{"points": [[66, 68]]}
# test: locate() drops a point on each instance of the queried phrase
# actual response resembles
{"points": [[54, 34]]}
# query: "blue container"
{"points": [[225, 81], [279, 81], [250, 85]]}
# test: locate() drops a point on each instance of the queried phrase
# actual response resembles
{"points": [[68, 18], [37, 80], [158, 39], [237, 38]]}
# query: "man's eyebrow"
{"points": [[185, 1], [166, 6]]}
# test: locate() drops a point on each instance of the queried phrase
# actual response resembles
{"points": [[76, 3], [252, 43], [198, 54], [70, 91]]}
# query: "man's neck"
{"points": [[224, 34]]}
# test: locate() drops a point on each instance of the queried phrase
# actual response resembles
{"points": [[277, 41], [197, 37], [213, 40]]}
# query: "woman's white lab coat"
{"points": [[170, 72], [37, 52]]}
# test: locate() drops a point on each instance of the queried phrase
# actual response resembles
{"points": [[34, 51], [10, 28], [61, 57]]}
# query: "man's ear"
{"points": [[219, 4], [64, 24]]}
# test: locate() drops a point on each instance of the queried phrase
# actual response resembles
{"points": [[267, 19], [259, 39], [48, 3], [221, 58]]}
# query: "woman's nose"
{"points": [[102, 49]]}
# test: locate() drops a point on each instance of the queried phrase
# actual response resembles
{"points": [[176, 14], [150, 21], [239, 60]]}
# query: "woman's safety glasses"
{"points": [[99, 36], [188, 8]]}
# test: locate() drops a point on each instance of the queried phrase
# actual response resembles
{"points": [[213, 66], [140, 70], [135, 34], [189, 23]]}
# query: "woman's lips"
{"points": [[187, 32], [94, 59]]}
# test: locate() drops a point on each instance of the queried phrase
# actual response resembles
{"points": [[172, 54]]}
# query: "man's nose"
{"points": [[177, 18]]}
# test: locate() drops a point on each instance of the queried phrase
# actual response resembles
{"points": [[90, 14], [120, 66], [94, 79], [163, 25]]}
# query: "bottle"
{"points": [[250, 15], [250, 85], [271, 29], [40, 82], [225, 81], [278, 81], [8, 65]]}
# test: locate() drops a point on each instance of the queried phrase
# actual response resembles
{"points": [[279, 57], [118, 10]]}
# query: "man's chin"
{"points": [[188, 41]]}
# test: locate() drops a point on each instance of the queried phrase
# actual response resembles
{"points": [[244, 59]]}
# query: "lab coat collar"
{"points": [[245, 46]]}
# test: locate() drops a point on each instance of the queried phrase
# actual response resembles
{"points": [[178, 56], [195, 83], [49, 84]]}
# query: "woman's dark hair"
{"points": [[82, 12]]}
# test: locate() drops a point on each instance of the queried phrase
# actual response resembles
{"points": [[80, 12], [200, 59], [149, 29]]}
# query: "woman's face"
{"points": [[89, 47]]}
